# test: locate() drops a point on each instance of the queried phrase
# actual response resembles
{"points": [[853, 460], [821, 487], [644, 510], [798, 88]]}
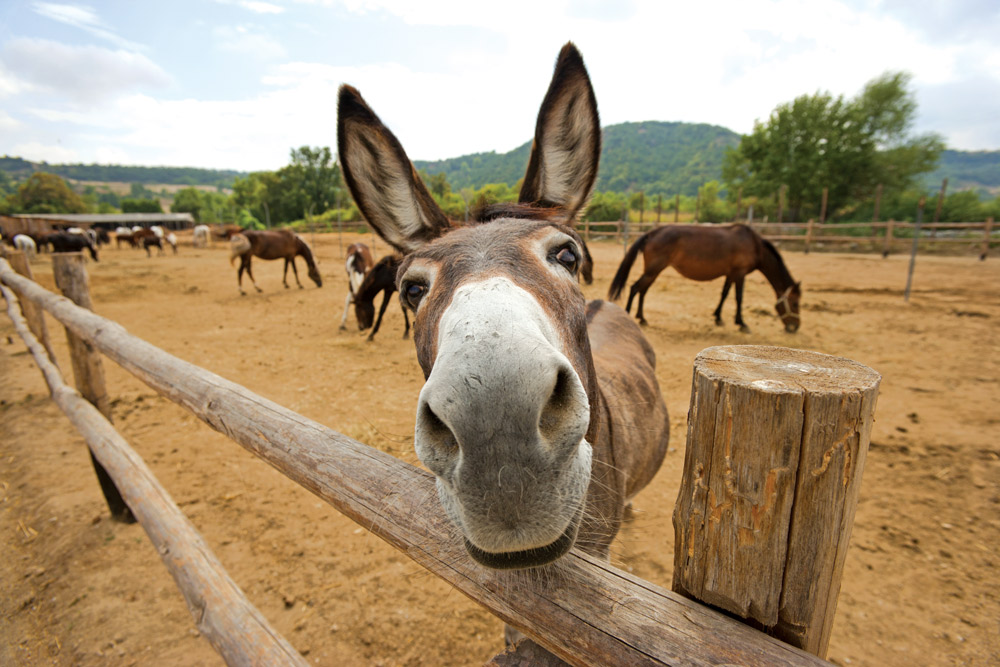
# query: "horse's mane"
{"points": [[778, 262]]}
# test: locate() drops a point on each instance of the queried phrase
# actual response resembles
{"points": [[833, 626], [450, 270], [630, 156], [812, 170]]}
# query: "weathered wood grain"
{"points": [[34, 315], [583, 610], [776, 446], [234, 627]]}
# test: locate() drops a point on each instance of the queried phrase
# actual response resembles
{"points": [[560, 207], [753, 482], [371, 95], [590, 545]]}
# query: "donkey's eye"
{"points": [[567, 257], [413, 293]]}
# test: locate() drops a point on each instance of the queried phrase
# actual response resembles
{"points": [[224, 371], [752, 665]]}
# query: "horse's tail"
{"points": [[238, 245], [621, 276]]}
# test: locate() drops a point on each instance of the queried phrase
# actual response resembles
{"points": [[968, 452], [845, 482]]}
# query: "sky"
{"points": [[236, 84]]}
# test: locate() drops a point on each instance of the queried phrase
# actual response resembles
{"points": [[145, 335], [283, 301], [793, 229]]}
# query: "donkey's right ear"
{"points": [[383, 181]]}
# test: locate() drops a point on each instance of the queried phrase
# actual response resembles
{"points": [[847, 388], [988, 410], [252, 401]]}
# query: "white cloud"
{"points": [[248, 41], [85, 18], [82, 73], [38, 152], [261, 7], [111, 155], [7, 122]]}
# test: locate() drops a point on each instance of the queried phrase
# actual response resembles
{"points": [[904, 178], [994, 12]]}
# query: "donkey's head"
{"points": [[500, 326]]}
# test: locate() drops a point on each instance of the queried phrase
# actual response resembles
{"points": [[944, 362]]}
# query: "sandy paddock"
{"points": [[921, 583]]}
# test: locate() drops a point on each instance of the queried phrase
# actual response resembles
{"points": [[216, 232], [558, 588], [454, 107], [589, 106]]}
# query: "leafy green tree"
{"points": [[130, 205], [46, 193], [848, 146], [208, 207], [712, 208], [605, 207]]}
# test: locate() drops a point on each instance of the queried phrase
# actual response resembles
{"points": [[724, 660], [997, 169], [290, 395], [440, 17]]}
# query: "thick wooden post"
{"points": [[34, 315], [888, 239], [777, 440], [986, 239], [809, 234], [88, 370]]}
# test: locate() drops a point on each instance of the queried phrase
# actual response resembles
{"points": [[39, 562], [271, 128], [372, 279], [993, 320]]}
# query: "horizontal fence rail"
{"points": [[583, 610], [235, 628]]}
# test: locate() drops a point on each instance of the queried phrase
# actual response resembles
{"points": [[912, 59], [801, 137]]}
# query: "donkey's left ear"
{"points": [[383, 181], [567, 146]]}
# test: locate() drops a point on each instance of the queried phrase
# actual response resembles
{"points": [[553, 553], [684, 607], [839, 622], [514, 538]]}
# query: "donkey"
{"points": [[358, 263], [541, 415]]}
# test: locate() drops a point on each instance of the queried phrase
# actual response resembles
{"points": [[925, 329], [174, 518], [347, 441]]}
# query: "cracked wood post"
{"points": [[34, 315], [88, 370], [777, 440]]}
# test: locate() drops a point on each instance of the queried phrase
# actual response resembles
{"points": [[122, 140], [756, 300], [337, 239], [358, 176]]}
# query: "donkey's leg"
{"points": [[739, 306], [381, 311], [725, 293], [347, 305]]}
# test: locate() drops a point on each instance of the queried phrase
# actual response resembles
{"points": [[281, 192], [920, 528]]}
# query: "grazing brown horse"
{"points": [[358, 263], [381, 278], [702, 252], [151, 241], [271, 244], [541, 415]]}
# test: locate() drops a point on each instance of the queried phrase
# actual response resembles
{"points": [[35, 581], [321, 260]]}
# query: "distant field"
{"points": [[122, 188]]}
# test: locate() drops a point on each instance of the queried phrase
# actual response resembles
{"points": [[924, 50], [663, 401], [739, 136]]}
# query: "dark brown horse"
{"points": [[271, 244], [358, 263], [541, 415], [67, 242], [381, 278], [702, 252]]}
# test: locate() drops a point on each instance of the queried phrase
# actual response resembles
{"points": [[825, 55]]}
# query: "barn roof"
{"points": [[117, 218]]}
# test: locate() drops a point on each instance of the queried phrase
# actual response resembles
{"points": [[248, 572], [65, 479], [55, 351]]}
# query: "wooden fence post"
{"points": [[913, 249], [781, 204], [888, 239], [34, 315], [777, 440], [677, 208], [88, 370], [822, 208], [809, 234], [986, 239]]}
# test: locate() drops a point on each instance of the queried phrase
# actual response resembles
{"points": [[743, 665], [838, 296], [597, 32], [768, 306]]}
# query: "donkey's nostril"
{"points": [[561, 416], [434, 431]]}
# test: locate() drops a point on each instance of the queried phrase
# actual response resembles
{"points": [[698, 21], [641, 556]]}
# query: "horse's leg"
{"points": [[284, 275], [347, 305], [739, 306], [406, 318], [248, 259], [725, 293], [295, 270], [381, 312], [640, 287]]}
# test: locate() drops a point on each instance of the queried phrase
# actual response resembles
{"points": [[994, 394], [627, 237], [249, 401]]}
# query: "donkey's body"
{"points": [[272, 244], [702, 252], [541, 414]]}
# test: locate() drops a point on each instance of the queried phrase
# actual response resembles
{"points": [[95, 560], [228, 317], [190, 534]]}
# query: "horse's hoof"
{"points": [[342, 328], [643, 323], [718, 321], [406, 336], [744, 328]]}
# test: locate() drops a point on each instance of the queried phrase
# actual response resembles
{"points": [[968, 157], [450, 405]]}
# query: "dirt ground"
{"points": [[921, 584]]}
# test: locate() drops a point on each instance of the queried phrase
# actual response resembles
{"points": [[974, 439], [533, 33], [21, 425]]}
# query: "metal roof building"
{"points": [[46, 222]]}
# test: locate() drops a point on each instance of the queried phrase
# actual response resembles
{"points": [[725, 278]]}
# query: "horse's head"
{"points": [[788, 307], [314, 275], [500, 327]]}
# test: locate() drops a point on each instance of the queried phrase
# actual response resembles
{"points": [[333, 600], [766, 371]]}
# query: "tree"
{"points": [[848, 146], [46, 193], [141, 206]]}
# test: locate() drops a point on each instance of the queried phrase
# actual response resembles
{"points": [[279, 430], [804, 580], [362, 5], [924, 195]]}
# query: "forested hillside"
{"points": [[967, 169], [19, 169], [655, 157]]}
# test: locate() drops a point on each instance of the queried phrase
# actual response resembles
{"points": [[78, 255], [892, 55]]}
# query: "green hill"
{"points": [[656, 157], [20, 169], [967, 169]]}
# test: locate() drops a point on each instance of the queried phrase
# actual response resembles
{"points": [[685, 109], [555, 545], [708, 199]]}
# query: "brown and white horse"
{"points": [[541, 415], [271, 244], [707, 252], [358, 263], [381, 279]]}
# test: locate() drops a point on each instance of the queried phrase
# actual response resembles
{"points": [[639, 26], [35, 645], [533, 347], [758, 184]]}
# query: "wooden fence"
{"points": [[877, 236], [781, 569]]}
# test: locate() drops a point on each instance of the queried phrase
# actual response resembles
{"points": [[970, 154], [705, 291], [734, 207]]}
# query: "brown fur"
{"points": [[701, 252], [274, 244]]}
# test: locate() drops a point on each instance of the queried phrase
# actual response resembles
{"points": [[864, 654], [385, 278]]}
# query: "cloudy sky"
{"points": [[237, 83]]}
